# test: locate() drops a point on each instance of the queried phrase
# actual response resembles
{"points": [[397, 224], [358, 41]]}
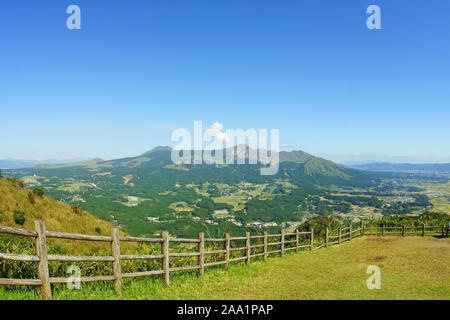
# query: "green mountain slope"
{"points": [[295, 156], [148, 193], [318, 166]]}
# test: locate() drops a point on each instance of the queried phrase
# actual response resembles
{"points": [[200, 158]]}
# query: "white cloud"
{"points": [[217, 126], [220, 135]]}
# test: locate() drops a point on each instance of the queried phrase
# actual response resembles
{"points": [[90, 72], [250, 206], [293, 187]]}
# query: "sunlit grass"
{"points": [[411, 268]]}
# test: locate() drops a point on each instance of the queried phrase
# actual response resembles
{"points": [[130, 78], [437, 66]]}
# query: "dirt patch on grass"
{"points": [[375, 259], [103, 173], [381, 239], [127, 178], [439, 240]]}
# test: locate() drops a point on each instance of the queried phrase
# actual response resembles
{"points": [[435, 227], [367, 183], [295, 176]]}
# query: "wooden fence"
{"points": [[408, 230], [286, 242], [343, 234]]}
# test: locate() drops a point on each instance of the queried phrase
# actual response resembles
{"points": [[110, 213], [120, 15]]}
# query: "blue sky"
{"points": [[139, 69]]}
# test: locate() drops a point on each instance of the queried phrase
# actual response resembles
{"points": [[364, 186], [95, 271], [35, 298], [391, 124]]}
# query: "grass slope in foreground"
{"points": [[411, 268], [58, 216]]}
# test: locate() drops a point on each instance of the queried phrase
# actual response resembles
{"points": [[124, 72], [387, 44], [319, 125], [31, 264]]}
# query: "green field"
{"points": [[411, 268], [439, 195]]}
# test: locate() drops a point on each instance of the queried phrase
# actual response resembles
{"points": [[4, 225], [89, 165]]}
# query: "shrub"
{"points": [[19, 217], [31, 197], [38, 192], [98, 230], [77, 209]]}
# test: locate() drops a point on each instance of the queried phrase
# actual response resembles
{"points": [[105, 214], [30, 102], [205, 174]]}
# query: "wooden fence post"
{"points": [[227, 250], [423, 230], [448, 226], [361, 228], [350, 233], [201, 257], [326, 237], [382, 229], [247, 234], [282, 243], [115, 252], [403, 231], [165, 262], [296, 240], [340, 234], [312, 239], [443, 228], [41, 252], [265, 245]]}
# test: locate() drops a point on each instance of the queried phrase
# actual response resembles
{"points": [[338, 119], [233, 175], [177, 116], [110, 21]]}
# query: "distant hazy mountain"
{"points": [[403, 167], [22, 164], [16, 164]]}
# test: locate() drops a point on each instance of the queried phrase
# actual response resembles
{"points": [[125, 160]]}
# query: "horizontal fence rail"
{"points": [[407, 230], [267, 243]]}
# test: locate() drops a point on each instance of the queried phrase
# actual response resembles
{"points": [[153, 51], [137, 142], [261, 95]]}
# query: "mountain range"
{"points": [[404, 167], [11, 163], [295, 164], [148, 193]]}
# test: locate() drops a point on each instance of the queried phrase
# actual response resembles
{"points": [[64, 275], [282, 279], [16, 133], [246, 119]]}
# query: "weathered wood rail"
{"points": [[282, 242], [269, 243]]}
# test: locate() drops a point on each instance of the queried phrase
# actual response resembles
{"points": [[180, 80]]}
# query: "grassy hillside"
{"points": [[411, 268], [58, 216], [20, 207]]}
